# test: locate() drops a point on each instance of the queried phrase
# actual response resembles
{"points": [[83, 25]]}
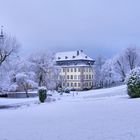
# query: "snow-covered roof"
{"points": [[72, 55]]}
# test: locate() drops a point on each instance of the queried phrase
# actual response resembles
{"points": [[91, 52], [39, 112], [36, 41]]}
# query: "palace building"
{"points": [[76, 70]]}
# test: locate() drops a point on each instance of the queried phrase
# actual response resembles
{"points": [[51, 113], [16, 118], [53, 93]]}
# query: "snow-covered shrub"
{"points": [[133, 83], [42, 94]]}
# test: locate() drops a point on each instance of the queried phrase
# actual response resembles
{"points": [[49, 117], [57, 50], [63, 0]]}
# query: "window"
{"points": [[63, 69], [79, 84], [90, 77], [75, 70], [71, 76], [63, 84], [86, 76], [68, 77], [87, 69], [90, 84], [75, 84], [67, 69], [68, 84], [71, 69], [71, 84], [78, 69]]}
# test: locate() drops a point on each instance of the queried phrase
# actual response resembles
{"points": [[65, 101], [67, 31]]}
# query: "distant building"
{"points": [[76, 70]]}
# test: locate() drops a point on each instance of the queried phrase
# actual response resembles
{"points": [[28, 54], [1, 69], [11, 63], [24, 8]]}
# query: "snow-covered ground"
{"points": [[106, 114]]}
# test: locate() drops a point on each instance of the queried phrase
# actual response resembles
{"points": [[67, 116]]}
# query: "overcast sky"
{"points": [[97, 26]]}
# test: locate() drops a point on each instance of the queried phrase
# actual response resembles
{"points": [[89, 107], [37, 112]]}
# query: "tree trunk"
{"points": [[40, 80], [26, 92]]}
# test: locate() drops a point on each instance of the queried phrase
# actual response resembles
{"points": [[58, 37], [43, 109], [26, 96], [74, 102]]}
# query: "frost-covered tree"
{"points": [[99, 62], [4, 81], [8, 47], [126, 61], [132, 56], [52, 78], [24, 82], [40, 63], [108, 74], [46, 73], [21, 76], [18, 66], [120, 65]]}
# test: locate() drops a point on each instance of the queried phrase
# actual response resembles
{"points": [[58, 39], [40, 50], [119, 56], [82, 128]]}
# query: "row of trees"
{"points": [[113, 71], [18, 74]]}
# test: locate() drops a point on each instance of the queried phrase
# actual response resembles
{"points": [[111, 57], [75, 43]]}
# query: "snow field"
{"points": [[109, 116]]}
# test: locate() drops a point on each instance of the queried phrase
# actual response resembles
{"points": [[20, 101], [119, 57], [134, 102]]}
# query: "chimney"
{"points": [[77, 53]]}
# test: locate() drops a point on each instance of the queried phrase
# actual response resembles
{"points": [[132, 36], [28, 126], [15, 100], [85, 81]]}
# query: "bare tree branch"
{"points": [[8, 47]]}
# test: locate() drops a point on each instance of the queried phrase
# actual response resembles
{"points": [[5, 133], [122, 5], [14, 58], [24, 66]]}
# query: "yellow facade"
{"points": [[77, 77]]}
